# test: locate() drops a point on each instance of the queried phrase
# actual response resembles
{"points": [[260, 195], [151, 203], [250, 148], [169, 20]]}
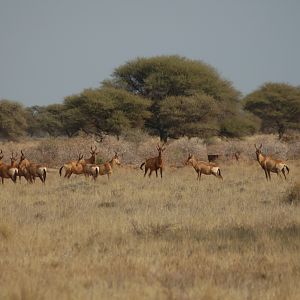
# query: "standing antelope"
{"points": [[154, 163], [77, 167], [37, 170], [269, 164], [8, 171], [23, 165], [102, 169], [202, 167]]}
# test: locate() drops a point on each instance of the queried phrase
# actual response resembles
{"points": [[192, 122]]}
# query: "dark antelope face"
{"points": [[22, 157], [258, 150], [13, 158], [160, 149], [189, 159], [93, 151], [116, 159]]}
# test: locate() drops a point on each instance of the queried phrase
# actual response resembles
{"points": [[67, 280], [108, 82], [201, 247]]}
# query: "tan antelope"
{"points": [[102, 169], [31, 170], [73, 167], [269, 164], [77, 167], [22, 166], [8, 171], [154, 163], [37, 170], [107, 167], [202, 167]]}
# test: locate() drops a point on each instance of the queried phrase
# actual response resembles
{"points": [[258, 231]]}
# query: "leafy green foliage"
{"points": [[106, 110], [162, 77], [189, 116], [13, 123], [239, 126], [278, 106]]}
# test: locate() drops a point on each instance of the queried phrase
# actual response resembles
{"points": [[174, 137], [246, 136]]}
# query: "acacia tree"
{"points": [[13, 123], [160, 77], [277, 105], [106, 110], [189, 116]]}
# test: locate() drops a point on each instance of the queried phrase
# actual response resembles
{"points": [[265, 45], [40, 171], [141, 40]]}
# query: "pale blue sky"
{"points": [[55, 48]]}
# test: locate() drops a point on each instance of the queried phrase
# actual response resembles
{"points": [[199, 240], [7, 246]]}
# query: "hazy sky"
{"points": [[55, 48]]}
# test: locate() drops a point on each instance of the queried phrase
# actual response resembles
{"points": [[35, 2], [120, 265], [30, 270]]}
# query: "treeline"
{"points": [[168, 96]]}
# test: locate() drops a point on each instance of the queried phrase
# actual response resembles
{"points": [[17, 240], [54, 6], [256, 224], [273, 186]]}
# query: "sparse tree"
{"points": [[277, 105], [13, 123], [160, 77]]}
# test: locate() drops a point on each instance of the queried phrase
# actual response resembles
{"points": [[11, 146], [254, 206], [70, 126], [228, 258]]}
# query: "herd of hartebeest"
{"points": [[31, 170]]}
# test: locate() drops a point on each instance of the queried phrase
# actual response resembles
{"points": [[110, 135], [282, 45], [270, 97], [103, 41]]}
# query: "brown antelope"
{"points": [[101, 169], [77, 167], [73, 167], [23, 165], [236, 155], [31, 170], [269, 164], [37, 170], [154, 163], [202, 167], [8, 171]]}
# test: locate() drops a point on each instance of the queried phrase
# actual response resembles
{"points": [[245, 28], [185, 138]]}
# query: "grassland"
{"points": [[136, 238]]}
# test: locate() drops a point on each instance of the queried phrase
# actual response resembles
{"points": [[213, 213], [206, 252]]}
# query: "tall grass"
{"points": [[139, 238]]}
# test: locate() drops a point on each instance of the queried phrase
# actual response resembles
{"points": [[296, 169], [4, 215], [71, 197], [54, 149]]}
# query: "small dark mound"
{"points": [[292, 195]]}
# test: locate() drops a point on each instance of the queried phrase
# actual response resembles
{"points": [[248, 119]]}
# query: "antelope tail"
{"points": [[219, 174], [60, 170], [97, 172], [15, 176], [287, 168], [141, 166], [44, 175]]}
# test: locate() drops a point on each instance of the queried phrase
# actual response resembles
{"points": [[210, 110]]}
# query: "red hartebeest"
{"points": [[76, 167], [22, 166], [102, 169], [31, 170], [269, 164], [154, 163], [8, 171], [202, 167]]}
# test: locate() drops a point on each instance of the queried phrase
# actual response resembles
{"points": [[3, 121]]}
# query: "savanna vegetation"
{"points": [[165, 96], [138, 238], [132, 237]]}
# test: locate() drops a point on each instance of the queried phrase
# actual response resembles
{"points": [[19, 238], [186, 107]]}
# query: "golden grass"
{"points": [[135, 238]]}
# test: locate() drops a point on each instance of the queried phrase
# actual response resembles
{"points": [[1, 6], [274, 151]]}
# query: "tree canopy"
{"points": [[163, 77], [277, 105], [13, 123]]}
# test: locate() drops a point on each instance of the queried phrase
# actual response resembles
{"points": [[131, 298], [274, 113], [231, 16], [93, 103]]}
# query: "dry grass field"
{"points": [[136, 238]]}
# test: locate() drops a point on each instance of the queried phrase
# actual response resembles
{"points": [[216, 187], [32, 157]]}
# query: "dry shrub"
{"points": [[292, 196], [178, 150], [152, 229], [5, 232], [134, 147]]}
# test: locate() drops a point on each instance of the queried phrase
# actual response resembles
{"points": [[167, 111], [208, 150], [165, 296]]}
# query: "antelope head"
{"points": [[13, 158], [189, 159], [116, 159], [22, 157], [80, 159], [161, 148], [258, 150], [93, 151]]}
